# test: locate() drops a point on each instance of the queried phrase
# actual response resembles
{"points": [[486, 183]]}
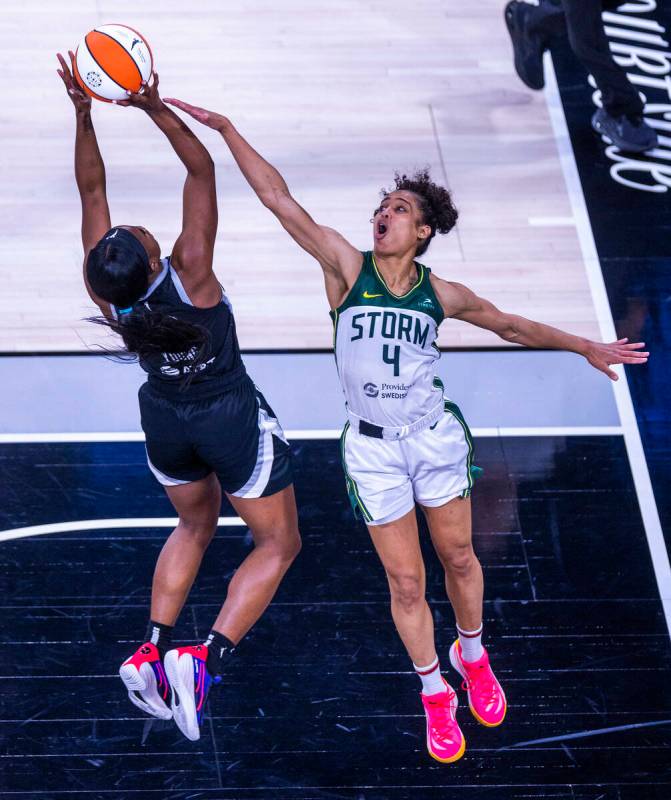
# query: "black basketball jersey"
{"points": [[222, 366]]}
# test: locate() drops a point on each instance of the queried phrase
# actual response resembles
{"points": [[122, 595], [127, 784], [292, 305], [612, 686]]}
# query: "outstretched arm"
{"points": [[194, 248], [340, 261], [461, 303], [89, 171]]}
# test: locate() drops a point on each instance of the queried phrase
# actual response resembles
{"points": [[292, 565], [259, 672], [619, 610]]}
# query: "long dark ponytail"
{"points": [[117, 270]]}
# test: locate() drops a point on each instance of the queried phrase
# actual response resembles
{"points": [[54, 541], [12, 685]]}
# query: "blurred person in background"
{"points": [[533, 23]]}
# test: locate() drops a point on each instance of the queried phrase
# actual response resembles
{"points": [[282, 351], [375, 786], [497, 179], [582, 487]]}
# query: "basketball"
{"points": [[110, 60]]}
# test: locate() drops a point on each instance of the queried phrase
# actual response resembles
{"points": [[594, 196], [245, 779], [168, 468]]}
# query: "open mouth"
{"points": [[380, 229]]}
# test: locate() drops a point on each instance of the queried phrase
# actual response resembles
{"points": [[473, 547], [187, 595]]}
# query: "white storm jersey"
{"points": [[385, 348]]}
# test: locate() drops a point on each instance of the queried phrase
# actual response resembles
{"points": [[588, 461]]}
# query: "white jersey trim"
{"points": [[179, 286], [258, 480], [158, 281]]}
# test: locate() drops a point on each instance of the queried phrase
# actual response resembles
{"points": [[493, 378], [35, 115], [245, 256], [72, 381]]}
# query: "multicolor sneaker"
{"points": [[485, 695], [444, 739], [144, 677], [190, 682]]}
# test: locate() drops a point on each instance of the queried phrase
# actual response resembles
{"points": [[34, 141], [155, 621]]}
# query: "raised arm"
{"points": [[340, 261], [461, 303], [89, 172], [194, 247]]}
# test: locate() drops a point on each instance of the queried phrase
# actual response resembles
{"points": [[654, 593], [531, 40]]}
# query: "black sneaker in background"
{"points": [[528, 47], [629, 133]]}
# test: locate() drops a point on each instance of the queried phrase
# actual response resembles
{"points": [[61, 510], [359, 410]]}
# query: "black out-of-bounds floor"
{"points": [[320, 701]]}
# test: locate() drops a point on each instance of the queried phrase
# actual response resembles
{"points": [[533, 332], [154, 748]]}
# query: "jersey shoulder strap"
{"points": [[365, 283], [429, 301]]}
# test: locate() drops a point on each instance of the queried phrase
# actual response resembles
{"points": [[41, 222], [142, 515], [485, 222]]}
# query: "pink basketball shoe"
{"points": [[144, 677], [444, 739], [485, 695]]}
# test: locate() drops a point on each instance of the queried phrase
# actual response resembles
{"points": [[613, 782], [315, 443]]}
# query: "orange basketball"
{"points": [[112, 59]]}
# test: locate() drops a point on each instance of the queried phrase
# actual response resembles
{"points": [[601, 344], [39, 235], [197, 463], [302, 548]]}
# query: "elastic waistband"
{"points": [[198, 390], [392, 432]]}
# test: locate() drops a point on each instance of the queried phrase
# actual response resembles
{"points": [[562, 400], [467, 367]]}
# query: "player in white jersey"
{"points": [[404, 442]]}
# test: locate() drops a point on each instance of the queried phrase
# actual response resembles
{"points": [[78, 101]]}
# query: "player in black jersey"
{"points": [[398, 450], [207, 426]]}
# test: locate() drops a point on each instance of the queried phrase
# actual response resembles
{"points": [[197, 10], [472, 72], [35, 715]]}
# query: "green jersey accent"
{"points": [[355, 500], [371, 290], [472, 472], [385, 347]]}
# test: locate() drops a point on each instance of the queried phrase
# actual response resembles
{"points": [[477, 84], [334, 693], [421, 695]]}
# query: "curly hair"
{"points": [[438, 210]]}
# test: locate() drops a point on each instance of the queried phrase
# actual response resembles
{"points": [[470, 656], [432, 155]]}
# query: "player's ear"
{"points": [[424, 232]]}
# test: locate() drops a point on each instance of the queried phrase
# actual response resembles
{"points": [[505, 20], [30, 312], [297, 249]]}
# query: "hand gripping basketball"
{"points": [[147, 98], [80, 100]]}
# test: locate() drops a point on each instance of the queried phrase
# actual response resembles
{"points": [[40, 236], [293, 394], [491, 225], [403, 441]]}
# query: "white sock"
{"points": [[471, 644], [432, 681]]}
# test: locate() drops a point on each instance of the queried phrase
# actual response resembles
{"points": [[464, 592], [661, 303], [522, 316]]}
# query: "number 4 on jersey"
{"points": [[395, 359]]}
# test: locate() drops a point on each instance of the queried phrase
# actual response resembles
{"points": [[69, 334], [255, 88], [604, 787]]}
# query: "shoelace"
{"points": [[442, 724], [482, 684]]}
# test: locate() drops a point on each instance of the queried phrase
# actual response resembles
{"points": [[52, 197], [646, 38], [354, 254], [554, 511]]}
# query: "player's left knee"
{"points": [[460, 560], [291, 544], [283, 543], [200, 531]]}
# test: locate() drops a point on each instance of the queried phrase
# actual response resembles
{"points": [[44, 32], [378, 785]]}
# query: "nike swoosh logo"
{"points": [[370, 296]]}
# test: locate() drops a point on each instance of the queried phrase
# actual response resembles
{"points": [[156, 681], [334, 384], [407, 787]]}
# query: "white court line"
{"points": [[632, 437], [551, 222], [135, 436], [103, 524], [171, 522], [587, 430]]}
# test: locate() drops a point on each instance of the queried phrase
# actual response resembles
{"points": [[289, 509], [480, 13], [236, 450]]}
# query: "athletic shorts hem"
{"points": [[278, 486], [168, 480], [281, 476], [441, 501], [394, 515]]}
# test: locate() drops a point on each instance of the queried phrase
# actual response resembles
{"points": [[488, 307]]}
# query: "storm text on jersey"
{"points": [[390, 325]]}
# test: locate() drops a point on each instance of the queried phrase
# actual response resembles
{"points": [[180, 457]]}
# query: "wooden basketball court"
{"points": [[337, 100]]}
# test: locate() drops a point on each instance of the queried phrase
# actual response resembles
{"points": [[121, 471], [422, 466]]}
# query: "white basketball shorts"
{"points": [[386, 477]]}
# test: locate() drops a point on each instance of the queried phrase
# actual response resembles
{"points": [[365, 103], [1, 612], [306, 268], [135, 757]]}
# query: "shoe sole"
{"points": [[451, 760], [454, 660], [512, 30], [180, 676], [144, 681]]}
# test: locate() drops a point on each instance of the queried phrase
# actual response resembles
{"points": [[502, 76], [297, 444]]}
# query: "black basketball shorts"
{"points": [[234, 433]]}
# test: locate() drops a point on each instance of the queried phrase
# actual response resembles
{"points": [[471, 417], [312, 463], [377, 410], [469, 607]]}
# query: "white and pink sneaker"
{"points": [[485, 695], [444, 739], [144, 677]]}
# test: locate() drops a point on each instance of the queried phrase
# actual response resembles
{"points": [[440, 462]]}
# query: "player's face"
{"points": [[146, 239], [397, 223]]}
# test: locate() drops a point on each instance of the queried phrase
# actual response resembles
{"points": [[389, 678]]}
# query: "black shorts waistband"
{"points": [[197, 390]]}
